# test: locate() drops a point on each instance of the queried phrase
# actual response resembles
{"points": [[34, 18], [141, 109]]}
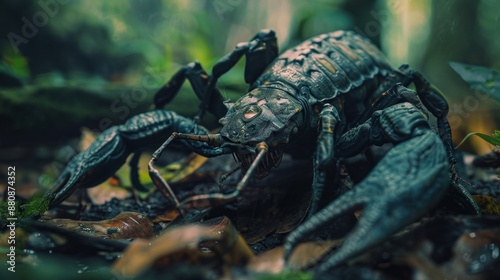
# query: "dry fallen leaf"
{"points": [[212, 242], [192, 163], [125, 225], [168, 216], [488, 205], [465, 247], [305, 255], [106, 192], [476, 254]]}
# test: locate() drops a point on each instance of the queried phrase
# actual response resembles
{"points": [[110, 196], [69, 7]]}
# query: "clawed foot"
{"points": [[408, 181]]}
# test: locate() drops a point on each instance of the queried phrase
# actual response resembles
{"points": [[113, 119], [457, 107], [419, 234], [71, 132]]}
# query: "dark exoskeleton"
{"points": [[328, 98]]}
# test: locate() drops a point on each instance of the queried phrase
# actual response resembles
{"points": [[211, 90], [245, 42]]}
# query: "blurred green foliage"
{"points": [[493, 139], [480, 78], [486, 80], [67, 48]]}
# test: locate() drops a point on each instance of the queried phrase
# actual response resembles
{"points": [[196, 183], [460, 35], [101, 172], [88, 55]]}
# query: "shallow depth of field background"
{"points": [[69, 64]]}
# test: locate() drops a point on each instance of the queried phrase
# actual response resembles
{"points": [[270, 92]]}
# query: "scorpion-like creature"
{"points": [[328, 98]]}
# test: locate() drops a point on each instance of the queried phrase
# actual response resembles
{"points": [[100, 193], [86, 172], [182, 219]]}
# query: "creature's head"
{"points": [[266, 115]]}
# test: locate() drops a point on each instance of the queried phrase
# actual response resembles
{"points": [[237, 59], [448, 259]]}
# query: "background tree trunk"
{"points": [[456, 36]]}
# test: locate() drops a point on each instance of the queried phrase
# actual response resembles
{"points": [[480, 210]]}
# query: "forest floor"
{"points": [[113, 230]]}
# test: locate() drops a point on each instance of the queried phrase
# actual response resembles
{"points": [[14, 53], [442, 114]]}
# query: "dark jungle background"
{"points": [[69, 64]]}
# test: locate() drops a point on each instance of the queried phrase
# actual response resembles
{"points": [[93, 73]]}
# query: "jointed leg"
{"points": [[260, 51], [203, 201], [324, 154], [426, 98], [437, 105], [198, 79], [409, 180], [434, 101]]}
